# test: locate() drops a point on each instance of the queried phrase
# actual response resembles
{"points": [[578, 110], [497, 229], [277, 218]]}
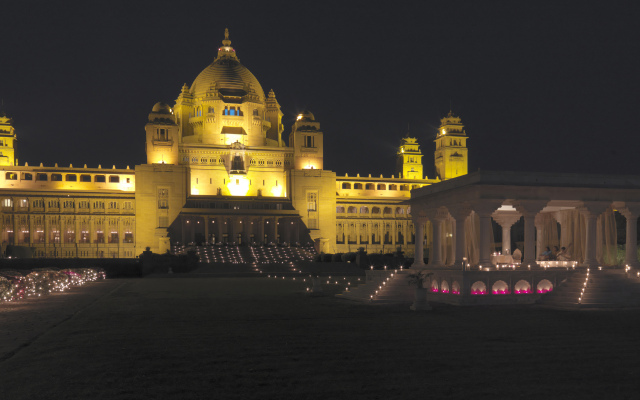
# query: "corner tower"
{"points": [[409, 159], [7, 141], [307, 142], [451, 158], [162, 136]]}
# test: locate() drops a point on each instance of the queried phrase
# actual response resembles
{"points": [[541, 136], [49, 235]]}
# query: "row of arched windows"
{"points": [[379, 186], [374, 210], [56, 177], [499, 287]]}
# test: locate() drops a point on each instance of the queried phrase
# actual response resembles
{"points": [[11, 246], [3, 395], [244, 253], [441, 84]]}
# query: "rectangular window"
{"points": [[308, 141], [163, 198]]}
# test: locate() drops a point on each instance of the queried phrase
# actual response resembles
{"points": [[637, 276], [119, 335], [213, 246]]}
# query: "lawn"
{"points": [[259, 338]]}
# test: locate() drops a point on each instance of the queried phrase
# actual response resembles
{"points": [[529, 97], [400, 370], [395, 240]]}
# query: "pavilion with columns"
{"points": [[460, 212]]}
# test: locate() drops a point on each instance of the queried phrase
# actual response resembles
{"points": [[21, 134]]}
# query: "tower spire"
{"points": [[226, 51]]}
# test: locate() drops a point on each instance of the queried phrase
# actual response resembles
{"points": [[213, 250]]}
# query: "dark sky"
{"points": [[542, 86]]}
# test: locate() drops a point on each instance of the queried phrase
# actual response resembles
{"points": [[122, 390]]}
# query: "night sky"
{"points": [[546, 86]]}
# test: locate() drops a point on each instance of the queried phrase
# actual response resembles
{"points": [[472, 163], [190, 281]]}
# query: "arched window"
{"points": [[364, 210], [71, 178], [370, 186], [339, 209], [346, 185], [404, 187], [393, 187], [399, 210], [387, 211], [357, 185], [500, 287], [382, 186], [375, 210], [11, 176], [351, 210], [478, 288]]}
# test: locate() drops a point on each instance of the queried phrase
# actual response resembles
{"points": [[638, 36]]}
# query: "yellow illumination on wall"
{"points": [[238, 185], [276, 191], [444, 132], [195, 191], [230, 138]]}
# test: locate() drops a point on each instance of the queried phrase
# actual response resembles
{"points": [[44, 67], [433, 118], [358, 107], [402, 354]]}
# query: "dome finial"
{"points": [[226, 41]]}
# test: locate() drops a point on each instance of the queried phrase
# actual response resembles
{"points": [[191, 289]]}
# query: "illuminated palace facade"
{"points": [[218, 170]]}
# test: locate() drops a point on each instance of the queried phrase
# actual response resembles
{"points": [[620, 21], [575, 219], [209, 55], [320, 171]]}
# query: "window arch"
{"points": [[393, 187], [375, 210], [382, 186], [346, 185], [387, 211], [478, 288], [370, 186], [364, 210], [339, 209], [399, 210], [357, 185], [352, 210]]}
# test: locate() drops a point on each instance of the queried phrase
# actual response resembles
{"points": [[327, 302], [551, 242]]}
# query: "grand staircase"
{"points": [[248, 254], [609, 288], [392, 287]]}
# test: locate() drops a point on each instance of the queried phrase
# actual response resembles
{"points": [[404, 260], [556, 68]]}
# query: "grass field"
{"points": [[258, 338]]}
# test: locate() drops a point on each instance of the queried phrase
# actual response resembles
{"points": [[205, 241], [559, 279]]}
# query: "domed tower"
{"points": [[225, 104], [451, 148], [307, 141], [162, 136], [7, 141], [409, 159]]}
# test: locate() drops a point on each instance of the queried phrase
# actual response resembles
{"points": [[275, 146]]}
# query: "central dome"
{"points": [[227, 75]]}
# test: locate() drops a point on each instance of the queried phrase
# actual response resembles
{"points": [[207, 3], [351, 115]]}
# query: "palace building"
{"points": [[218, 170]]}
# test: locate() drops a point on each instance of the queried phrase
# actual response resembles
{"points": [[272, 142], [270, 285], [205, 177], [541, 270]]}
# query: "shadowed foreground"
{"points": [[258, 338]]}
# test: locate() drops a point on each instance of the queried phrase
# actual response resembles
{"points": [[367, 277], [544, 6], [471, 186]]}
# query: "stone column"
{"points": [[460, 214], [529, 209], [539, 224], [631, 247], [418, 261], [31, 230], [437, 217], [219, 229], [591, 212], [506, 219], [260, 238]]}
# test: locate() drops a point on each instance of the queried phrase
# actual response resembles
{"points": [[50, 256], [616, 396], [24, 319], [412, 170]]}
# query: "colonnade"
{"points": [[239, 229], [506, 217]]}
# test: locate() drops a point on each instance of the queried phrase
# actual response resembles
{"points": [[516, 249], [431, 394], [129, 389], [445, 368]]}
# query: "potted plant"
{"points": [[418, 278]]}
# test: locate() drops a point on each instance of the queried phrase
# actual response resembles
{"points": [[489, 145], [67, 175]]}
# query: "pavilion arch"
{"points": [[346, 185], [544, 286], [434, 286], [522, 287], [375, 210], [364, 210], [444, 286], [500, 287], [352, 210], [478, 287], [455, 287]]}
